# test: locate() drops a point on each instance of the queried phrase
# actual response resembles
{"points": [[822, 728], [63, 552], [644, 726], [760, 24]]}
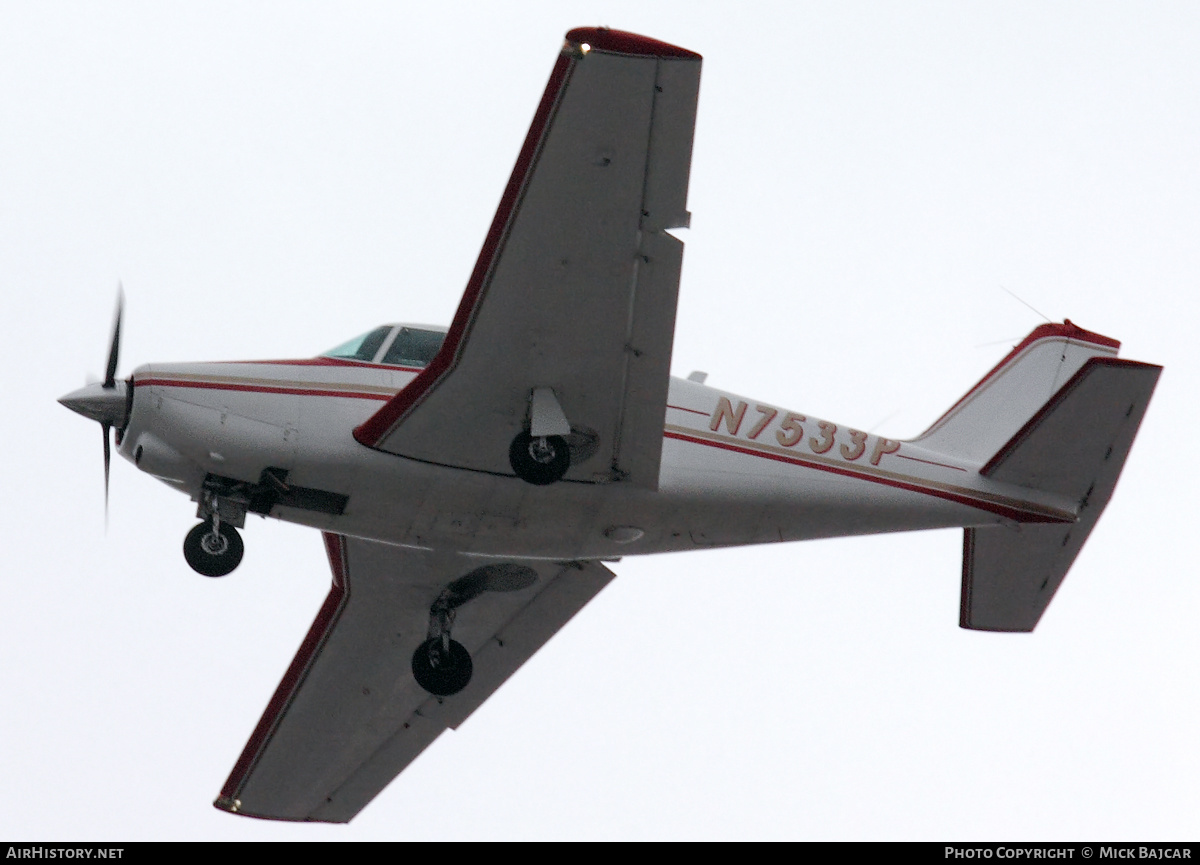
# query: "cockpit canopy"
{"points": [[411, 345]]}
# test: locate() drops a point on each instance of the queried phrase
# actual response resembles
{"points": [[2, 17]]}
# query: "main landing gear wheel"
{"points": [[213, 552], [442, 672], [540, 461]]}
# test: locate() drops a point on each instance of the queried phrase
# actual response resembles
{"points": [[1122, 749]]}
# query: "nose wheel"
{"points": [[213, 549]]}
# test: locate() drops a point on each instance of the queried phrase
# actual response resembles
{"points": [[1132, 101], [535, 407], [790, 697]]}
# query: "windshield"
{"points": [[414, 347], [363, 347], [410, 346]]}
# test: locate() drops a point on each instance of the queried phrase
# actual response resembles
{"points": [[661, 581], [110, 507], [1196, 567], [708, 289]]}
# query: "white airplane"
{"points": [[472, 482]]}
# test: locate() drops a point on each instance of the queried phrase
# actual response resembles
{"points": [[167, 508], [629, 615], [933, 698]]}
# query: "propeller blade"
{"points": [[114, 349], [107, 460], [106, 402]]}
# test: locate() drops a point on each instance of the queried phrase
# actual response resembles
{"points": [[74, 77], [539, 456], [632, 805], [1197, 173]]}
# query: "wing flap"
{"points": [[348, 716], [531, 628], [641, 416]]}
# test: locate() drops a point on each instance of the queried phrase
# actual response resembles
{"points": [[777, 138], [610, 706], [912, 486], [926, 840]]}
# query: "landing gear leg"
{"points": [[212, 548]]}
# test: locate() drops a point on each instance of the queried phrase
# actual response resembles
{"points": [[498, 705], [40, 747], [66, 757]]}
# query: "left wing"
{"points": [[575, 290], [348, 715]]}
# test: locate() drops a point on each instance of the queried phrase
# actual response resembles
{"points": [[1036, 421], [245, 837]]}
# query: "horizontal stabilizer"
{"points": [[1074, 446]]}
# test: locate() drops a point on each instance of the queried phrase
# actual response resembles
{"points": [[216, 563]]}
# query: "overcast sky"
{"points": [[269, 179]]}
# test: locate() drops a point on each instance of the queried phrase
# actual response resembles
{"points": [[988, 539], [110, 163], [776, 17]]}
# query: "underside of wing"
{"points": [[348, 715], [574, 293]]}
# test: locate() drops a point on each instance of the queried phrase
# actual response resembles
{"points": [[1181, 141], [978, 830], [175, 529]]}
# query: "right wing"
{"points": [[348, 716], [575, 289]]}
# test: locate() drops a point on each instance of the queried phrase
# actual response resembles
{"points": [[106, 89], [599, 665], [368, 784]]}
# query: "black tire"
{"points": [[539, 461], [442, 675], [209, 558]]}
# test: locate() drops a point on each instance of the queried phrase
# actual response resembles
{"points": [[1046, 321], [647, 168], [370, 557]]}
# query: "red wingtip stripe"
{"points": [[621, 42]]}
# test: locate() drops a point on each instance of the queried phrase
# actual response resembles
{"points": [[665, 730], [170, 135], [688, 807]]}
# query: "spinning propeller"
{"points": [[106, 402]]}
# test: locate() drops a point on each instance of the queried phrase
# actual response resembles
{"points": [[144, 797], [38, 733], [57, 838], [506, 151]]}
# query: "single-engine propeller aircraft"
{"points": [[472, 482]]}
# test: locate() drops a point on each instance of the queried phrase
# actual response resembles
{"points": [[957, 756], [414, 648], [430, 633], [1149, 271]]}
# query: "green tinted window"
{"points": [[361, 347]]}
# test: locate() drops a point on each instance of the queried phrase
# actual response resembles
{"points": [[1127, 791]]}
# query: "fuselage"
{"points": [[734, 471]]}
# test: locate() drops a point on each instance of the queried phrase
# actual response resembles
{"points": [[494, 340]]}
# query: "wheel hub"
{"points": [[214, 543], [541, 451]]}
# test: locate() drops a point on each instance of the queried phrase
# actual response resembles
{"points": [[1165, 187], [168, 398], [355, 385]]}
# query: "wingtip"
{"points": [[227, 804], [622, 42], [234, 806]]}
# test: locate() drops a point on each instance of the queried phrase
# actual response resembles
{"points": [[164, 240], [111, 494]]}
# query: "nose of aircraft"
{"points": [[108, 405]]}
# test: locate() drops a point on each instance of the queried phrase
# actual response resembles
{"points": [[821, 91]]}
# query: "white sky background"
{"points": [[268, 180]]}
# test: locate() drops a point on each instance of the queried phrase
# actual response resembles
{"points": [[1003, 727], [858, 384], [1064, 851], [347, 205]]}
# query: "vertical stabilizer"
{"points": [[990, 413]]}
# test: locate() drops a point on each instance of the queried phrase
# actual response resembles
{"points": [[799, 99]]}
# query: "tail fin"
{"points": [[1074, 445], [1006, 398]]}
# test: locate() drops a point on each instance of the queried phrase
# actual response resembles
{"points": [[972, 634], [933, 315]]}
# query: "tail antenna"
{"points": [[1029, 305]]}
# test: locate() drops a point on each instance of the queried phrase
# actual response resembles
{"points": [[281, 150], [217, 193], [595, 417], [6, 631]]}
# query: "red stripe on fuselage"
{"points": [[254, 388], [959, 498], [326, 361], [692, 410], [931, 462]]}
